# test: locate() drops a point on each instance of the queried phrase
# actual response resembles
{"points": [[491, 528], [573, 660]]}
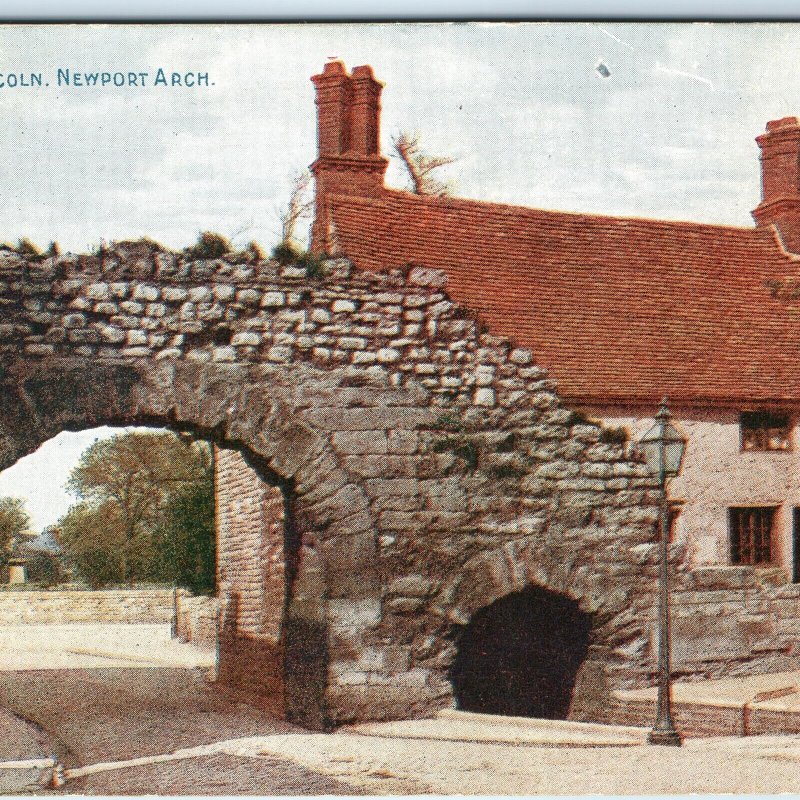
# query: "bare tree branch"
{"points": [[421, 168], [298, 208]]}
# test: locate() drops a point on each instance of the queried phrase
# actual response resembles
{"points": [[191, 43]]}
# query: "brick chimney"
{"points": [[348, 127], [780, 180]]}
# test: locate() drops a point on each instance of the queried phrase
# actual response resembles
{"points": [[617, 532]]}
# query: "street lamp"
{"points": [[663, 447]]}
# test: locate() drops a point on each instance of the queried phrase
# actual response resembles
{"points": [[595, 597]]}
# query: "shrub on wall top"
{"points": [[209, 245]]}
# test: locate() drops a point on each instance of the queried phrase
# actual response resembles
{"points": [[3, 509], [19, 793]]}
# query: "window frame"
{"points": [[766, 414], [735, 536]]}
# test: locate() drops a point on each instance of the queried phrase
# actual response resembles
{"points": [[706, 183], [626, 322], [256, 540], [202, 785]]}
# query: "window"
{"points": [[751, 535], [764, 430]]}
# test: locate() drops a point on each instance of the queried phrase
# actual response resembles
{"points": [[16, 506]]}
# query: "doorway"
{"points": [[520, 656]]}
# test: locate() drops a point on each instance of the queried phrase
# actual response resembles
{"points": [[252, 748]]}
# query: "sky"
{"points": [[667, 130]]}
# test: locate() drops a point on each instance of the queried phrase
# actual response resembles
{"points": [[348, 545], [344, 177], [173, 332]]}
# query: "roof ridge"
{"points": [[483, 205]]}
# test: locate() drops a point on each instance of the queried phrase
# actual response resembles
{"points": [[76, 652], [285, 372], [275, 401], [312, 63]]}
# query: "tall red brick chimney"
{"points": [[348, 129], [780, 180]]}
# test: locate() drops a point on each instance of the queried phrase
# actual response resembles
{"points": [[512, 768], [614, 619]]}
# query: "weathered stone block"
{"points": [[273, 300], [484, 397], [361, 442], [119, 290], [404, 605], [279, 354], [250, 338], [248, 297], [98, 291], [199, 294], [136, 338], [404, 442], [146, 292], [410, 586], [174, 294], [389, 355], [224, 292]]}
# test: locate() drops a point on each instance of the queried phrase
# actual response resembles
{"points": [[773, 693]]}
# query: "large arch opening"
{"points": [[520, 655], [224, 576], [262, 413]]}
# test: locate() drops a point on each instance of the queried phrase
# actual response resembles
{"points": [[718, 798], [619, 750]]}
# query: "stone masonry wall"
{"points": [[151, 606], [428, 467]]}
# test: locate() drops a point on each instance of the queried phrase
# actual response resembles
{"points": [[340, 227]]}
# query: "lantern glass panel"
{"points": [[651, 450], [673, 455]]}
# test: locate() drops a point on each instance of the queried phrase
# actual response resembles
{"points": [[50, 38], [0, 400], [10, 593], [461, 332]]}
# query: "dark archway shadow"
{"points": [[520, 656]]}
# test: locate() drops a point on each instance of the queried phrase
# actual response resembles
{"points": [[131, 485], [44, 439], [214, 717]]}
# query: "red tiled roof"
{"points": [[614, 308]]}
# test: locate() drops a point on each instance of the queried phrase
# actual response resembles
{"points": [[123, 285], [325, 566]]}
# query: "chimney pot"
{"points": [[334, 68], [783, 122]]}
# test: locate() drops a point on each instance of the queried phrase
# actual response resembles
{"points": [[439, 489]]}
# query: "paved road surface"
{"points": [[136, 707], [122, 713], [116, 692]]}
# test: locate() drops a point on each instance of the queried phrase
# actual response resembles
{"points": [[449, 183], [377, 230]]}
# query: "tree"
{"points": [[421, 168], [186, 547], [125, 485], [13, 520], [94, 540]]}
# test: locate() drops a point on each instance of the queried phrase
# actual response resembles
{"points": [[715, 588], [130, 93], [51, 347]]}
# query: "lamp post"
{"points": [[663, 447]]}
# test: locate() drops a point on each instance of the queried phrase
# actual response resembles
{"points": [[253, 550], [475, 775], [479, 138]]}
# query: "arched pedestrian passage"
{"points": [[520, 656]]}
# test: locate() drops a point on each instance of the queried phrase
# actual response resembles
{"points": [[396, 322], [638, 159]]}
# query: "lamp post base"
{"points": [[666, 736]]}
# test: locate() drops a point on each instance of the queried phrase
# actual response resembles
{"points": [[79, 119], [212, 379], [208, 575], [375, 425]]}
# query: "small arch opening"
{"points": [[520, 655]]}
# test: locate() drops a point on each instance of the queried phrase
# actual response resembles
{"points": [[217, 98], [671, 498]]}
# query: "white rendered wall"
{"points": [[716, 475]]}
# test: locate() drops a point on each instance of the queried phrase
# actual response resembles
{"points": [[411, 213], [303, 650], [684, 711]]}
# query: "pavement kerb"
{"points": [[647, 696], [710, 701], [536, 723], [457, 726]]}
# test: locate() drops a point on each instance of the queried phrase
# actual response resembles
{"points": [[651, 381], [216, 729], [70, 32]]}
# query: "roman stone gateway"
{"points": [[388, 469]]}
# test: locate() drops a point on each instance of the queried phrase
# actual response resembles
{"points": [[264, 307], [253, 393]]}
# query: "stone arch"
{"points": [[253, 411], [521, 563], [520, 656], [417, 447]]}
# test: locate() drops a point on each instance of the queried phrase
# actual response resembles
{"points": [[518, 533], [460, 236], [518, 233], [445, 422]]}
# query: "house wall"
{"points": [[726, 619], [717, 475]]}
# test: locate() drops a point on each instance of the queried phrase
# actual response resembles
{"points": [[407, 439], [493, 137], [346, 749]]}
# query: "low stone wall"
{"points": [[700, 720], [64, 606], [729, 621], [196, 619]]}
